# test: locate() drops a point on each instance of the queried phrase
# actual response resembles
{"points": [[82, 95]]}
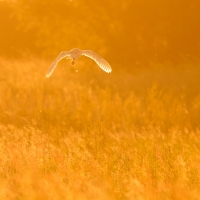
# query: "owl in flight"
{"points": [[75, 54]]}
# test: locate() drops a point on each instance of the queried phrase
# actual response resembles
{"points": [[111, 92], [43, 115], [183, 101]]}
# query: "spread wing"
{"points": [[103, 64], [55, 62]]}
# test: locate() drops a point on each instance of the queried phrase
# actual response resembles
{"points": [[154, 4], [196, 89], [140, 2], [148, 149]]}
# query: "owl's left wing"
{"points": [[62, 55]]}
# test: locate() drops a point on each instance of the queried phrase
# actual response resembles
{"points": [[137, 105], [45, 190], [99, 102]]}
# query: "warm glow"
{"points": [[87, 134]]}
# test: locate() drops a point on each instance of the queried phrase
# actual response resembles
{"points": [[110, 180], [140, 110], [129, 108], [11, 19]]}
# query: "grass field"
{"points": [[92, 135]]}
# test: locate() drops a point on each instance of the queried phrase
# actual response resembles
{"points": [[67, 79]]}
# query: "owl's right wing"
{"points": [[103, 64], [62, 55]]}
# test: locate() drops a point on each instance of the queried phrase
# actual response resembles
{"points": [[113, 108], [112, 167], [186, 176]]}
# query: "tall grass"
{"points": [[92, 135]]}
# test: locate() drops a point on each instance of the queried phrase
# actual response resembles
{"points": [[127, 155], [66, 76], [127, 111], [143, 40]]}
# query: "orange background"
{"points": [[125, 32]]}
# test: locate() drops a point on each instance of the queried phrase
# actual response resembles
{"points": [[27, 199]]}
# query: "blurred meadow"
{"points": [[86, 134]]}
